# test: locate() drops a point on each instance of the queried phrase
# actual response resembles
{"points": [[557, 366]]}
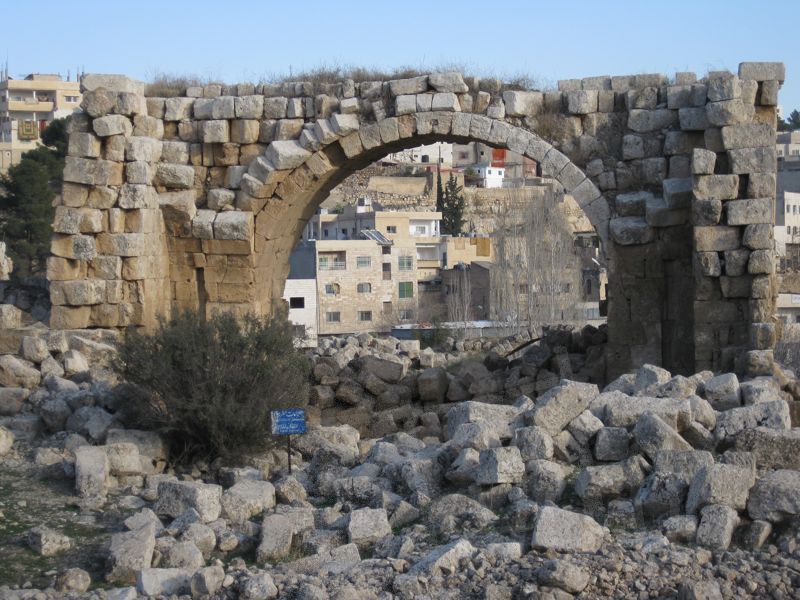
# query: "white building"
{"points": [[438, 152], [789, 232], [489, 176], [300, 293], [788, 146]]}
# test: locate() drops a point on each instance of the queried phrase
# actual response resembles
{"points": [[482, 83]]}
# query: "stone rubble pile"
{"points": [[521, 486]]}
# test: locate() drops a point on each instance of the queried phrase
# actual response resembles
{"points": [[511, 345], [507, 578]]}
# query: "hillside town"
{"points": [[360, 334]]}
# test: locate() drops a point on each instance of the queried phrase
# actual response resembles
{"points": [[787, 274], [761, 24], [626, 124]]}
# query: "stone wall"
{"points": [[197, 201]]}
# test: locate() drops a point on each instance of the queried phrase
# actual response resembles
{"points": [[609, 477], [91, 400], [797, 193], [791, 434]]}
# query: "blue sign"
{"points": [[288, 422]]}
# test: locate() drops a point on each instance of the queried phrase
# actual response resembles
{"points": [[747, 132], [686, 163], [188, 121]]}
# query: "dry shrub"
{"points": [[209, 386]]}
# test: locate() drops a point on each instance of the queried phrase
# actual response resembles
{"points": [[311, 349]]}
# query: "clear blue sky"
{"points": [[235, 40]]}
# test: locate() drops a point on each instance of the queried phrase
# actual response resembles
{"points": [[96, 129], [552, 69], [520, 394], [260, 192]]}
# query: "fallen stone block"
{"points": [[772, 448], [47, 542], [444, 559], [247, 499], [500, 465], [175, 497], [774, 415], [653, 435], [717, 523], [367, 526], [566, 531], [557, 407], [775, 496], [564, 575], [130, 552], [610, 481], [277, 533], [727, 485], [163, 582]]}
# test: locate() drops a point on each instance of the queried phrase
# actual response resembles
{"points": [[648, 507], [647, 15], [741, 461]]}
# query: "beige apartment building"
{"points": [[373, 269], [27, 106]]}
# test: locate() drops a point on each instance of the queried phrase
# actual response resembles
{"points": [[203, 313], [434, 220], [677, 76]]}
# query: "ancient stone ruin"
{"points": [[197, 201]]}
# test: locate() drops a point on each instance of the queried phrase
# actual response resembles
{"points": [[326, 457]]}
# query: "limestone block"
{"points": [[523, 103], [725, 86], [759, 363], [566, 531], [677, 192], [176, 497], [233, 225], [139, 172], [612, 444], [628, 231], [679, 96], [653, 435], [64, 317], [106, 267], [709, 263], [275, 108], [175, 176], [92, 171], [706, 212], [84, 144], [761, 185], [79, 292], [142, 148], [247, 499], [91, 471], [79, 247], [632, 204], [103, 197], [693, 119], [148, 126], [10, 315], [748, 135], [758, 236], [728, 112], [277, 533], [776, 496], [112, 125], [216, 131], [413, 85], [344, 124], [643, 120], [703, 161], [582, 102], [745, 212], [717, 523], [753, 160], [367, 525], [286, 154], [219, 198], [130, 553], [137, 196], [448, 82], [774, 414], [719, 187], [769, 93], [762, 71], [446, 101], [761, 262], [500, 465], [122, 244], [178, 209], [244, 131]]}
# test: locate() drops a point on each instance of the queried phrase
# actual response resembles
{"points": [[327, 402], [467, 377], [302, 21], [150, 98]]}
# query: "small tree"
{"points": [[459, 297], [209, 386], [453, 207], [28, 189], [439, 192]]}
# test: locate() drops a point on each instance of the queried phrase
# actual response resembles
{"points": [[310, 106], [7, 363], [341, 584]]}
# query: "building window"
{"points": [[364, 288], [332, 289], [298, 331], [406, 289], [387, 271], [363, 262], [523, 288], [325, 233], [405, 263], [71, 98], [386, 249], [391, 229], [406, 314], [365, 315], [297, 302], [420, 230], [333, 317]]}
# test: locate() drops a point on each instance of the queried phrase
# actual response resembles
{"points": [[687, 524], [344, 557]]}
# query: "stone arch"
{"points": [[197, 200], [326, 168]]}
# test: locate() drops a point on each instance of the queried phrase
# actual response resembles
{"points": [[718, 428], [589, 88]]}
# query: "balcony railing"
{"points": [[333, 265]]}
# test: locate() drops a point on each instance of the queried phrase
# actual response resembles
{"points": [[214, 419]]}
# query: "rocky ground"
{"points": [[454, 473]]}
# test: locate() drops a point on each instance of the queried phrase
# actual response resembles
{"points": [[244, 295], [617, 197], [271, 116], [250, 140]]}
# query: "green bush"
{"points": [[209, 386]]}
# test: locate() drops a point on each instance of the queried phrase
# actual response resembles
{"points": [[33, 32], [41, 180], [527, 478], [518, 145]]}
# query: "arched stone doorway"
{"points": [[198, 200]]}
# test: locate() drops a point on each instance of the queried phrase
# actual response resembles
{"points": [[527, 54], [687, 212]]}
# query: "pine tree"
{"points": [[794, 120], [439, 192], [453, 207], [26, 202]]}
